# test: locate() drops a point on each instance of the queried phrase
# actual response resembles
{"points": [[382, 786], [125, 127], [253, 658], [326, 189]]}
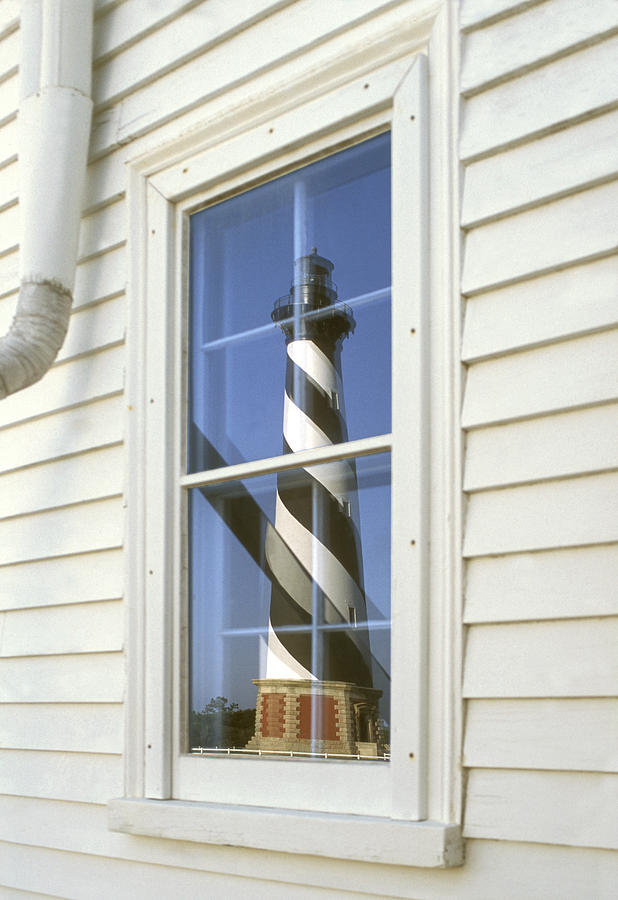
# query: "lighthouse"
{"points": [[317, 694]]}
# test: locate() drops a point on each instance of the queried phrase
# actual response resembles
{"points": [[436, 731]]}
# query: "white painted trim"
{"points": [[409, 528], [243, 151], [301, 458], [445, 723], [362, 838], [159, 404], [158, 218]]}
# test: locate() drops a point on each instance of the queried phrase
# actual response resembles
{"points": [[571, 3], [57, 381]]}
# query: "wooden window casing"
{"points": [[407, 811]]}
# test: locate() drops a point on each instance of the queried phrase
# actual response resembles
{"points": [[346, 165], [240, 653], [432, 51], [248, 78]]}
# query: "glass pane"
{"points": [[290, 612], [290, 307]]}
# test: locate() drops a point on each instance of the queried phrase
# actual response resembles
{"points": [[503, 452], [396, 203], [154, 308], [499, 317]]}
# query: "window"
{"points": [[233, 542], [289, 572]]}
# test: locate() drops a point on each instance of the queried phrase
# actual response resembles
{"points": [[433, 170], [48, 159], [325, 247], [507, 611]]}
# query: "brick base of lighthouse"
{"points": [[301, 716]]}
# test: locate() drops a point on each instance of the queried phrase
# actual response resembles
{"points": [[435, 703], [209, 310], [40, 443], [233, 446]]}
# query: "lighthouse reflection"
{"points": [[231, 527], [289, 577]]}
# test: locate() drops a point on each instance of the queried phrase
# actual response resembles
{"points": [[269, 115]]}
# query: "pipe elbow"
{"points": [[36, 335]]}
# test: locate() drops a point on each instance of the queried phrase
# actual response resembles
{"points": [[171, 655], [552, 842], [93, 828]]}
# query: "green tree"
{"points": [[222, 724]]}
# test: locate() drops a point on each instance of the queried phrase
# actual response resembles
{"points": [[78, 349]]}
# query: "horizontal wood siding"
{"points": [[62, 474], [576, 442], [81, 428], [70, 727], [542, 310], [543, 734], [569, 583], [567, 89], [61, 775], [539, 119], [492, 869], [74, 628], [539, 144], [557, 658], [548, 807], [75, 678]]}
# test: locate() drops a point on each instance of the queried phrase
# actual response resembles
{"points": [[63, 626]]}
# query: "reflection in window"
{"points": [[242, 258], [289, 573]]}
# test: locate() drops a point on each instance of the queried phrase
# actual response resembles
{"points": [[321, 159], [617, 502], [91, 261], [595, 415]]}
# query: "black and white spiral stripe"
{"points": [[316, 518]]}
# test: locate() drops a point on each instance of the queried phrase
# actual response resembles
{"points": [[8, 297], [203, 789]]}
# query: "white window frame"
{"points": [[407, 811]]}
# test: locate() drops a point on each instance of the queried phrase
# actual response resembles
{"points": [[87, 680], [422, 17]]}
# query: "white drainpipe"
{"points": [[54, 116]]}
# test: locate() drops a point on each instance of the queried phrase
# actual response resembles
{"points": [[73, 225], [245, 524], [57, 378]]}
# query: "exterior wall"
{"points": [[538, 145], [539, 150]]}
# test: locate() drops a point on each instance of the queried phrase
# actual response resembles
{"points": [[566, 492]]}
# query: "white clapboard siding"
{"points": [[527, 39], [17, 894], [9, 15], [76, 876], [100, 277], [96, 277], [573, 443], [479, 13], [9, 54], [105, 181], [97, 424], [580, 734], [67, 384], [81, 678], [8, 271], [8, 141], [9, 226], [9, 99], [547, 379], [574, 658], [553, 584], [568, 512], [259, 59], [551, 307], [62, 580], [75, 727], [92, 778], [73, 529], [492, 869], [548, 167], [572, 228], [8, 184], [75, 628], [102, 230], [551, 807], [74, 479], [197, 30], [131, 20], [568, 89], [94, 328]]}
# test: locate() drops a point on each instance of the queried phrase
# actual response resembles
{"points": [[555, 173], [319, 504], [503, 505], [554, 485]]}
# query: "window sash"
{"points": [[399, 788]]}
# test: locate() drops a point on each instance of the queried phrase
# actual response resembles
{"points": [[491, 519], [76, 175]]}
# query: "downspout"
{"points": [[54, 117]]}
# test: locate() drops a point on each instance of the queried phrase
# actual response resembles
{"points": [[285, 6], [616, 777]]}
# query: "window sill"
{"points": [[366, 838]]}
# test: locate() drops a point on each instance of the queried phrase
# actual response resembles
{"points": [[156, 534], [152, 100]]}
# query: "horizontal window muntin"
{"points": [[303, 629], [316, 455], [261, 330]]}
